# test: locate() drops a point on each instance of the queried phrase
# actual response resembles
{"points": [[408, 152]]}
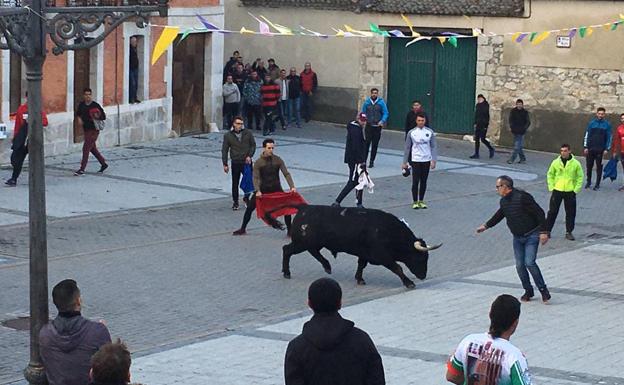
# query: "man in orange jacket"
{"points": [[20, 141]]}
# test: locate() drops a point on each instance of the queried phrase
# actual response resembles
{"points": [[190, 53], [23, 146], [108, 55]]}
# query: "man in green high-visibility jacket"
{"points": [[565, 179]]}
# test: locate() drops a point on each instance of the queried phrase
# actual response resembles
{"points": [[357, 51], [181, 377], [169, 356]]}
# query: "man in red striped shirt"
{"points": [[270, 95]]}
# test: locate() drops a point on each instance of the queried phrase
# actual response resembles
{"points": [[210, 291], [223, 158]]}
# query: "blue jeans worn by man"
{"points": [[282, 111], [294, 113], [525, 252], [134, 85], [517, 149]]}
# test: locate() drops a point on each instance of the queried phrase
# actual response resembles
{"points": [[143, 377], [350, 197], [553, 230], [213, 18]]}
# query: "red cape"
{"points": [[272, 201]]}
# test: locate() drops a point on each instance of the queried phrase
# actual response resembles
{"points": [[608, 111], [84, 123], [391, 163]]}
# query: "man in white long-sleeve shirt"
{"points": [[421, 154]]}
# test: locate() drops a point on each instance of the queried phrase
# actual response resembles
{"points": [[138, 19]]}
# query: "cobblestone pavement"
{"points": [[150, 243]]}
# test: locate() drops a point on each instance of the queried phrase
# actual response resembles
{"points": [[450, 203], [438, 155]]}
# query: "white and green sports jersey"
{"points": [[484, 360]]}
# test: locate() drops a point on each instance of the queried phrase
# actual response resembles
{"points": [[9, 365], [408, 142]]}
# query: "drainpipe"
{"points": [[116, 97]]}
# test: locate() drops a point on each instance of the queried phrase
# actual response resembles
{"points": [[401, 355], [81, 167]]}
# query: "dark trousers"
{"points": [[351, 183], [569, 204], [237, 171], [17, 161], [269, 119], [253, 112], [251, 207], [306, 106], [230, 110], [89, 146], [134, 84], [373, 135], [479, 137], [594, 156], [282, 112], [420, 174]]}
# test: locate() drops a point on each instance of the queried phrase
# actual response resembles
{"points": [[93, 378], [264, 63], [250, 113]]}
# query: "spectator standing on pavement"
{"points": [[87, 113], [241, 147], [526, 221], [421, 153], [134, 71], [519, 122], [111, 365], [481, 124], [20, 141], [231, 100], [239, 77], [377, 114], [273, 69], [565, 179], [618, 141], [309, 84], [596, 143], [330, 349], [266, 180], [270, 95], [489, 358], [282, 103], [410, 119], [355, 155], [230, 66], [260, 69], [253, 100], [68, 342], [294, 98]]}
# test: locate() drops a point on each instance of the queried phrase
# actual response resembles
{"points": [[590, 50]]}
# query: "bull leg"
{"points": [[288, 251], [319, 257], [396, 269], [360, 269]]}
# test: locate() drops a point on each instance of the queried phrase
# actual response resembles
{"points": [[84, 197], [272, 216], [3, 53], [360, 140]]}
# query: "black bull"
{"points": [[374, 236]]}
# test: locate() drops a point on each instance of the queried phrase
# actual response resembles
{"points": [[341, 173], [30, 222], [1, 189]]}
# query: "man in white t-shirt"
{"points": [[422, 153], [489, 358]]}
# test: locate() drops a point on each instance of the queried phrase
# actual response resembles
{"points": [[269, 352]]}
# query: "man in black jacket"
{"points": [[527, 223], [331, 350], [481, 123], [519, 123], [355, 154]]}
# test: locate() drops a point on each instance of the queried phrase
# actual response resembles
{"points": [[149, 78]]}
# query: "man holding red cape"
{"points": [[268, 188]]}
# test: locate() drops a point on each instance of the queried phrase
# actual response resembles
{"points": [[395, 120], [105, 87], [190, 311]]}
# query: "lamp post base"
{"points": [[35, 374]]}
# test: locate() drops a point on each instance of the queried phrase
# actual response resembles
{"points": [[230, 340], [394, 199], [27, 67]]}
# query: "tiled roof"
{"points": [[422, 7]]}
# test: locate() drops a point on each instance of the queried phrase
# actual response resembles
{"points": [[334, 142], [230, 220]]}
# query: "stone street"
{"points": [[150, 245]]}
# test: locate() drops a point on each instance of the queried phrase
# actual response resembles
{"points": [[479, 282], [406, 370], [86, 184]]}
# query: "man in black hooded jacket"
{"points": [[331, 350]]}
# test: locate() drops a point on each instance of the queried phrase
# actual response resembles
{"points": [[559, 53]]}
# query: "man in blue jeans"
{"points": [[527, 223], [519, 122]]}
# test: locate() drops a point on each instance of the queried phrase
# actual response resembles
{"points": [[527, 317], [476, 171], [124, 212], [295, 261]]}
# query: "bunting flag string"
{"points": [[267, 28]]}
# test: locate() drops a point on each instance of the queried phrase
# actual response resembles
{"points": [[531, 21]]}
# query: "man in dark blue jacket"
{"points": [[596, 143], [355, 154], [377, 113]]}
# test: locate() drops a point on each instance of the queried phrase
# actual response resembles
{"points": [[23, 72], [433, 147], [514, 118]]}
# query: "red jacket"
{"points": [[19, 118], [309, 81], [270, 94], [618, 139]]}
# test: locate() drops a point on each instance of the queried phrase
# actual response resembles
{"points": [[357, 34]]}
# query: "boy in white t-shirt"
{"points": [[489, 358]]}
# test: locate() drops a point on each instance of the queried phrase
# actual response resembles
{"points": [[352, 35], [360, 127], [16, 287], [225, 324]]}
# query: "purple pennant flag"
{"points": [[396, 33], [572, 33], [521, 37], [210, 27]]}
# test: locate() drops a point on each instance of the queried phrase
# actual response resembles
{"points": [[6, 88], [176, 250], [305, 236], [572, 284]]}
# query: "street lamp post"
{"points": [[23, 29]]}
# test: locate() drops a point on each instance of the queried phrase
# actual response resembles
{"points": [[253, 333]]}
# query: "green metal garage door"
{"points": [[442, 78]]}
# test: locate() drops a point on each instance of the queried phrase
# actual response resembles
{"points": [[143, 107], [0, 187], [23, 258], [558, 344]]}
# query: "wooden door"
{"points": [[82, 69], [188, 84]]}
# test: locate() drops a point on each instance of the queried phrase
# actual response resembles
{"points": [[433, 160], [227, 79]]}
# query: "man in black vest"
{"points": [[527, 223], [355, 155]]}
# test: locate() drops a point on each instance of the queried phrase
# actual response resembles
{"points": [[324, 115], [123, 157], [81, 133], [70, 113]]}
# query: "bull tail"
{"points": [[268, 215]]}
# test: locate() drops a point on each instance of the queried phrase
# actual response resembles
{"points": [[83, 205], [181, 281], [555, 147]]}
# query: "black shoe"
{"points": [[335, 204], [474, 156], [492, 152], [545, 295], [510, 161], [239, 232], [522, 161], [104, 167], [371, 164], [596, 187], [235, 206], [79, 172], [588, 185], [359, 206], [526, 297], [11, 182], [137, 101], [569, 237]]}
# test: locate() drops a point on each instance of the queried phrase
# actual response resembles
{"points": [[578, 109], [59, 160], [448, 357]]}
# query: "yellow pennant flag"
{"points": [[515, 36], [540, 38], [476, 32], [166, 38], [607, 26], [244, 30], [357, 31], [442, 39], [622, 16], [409, 24], [590, 30]]}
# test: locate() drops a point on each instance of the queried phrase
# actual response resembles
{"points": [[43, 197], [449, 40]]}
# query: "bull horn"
{"points": [[418, 246]]}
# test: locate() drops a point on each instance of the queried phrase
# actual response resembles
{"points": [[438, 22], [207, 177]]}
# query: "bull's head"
{"points": [[417, 263]]}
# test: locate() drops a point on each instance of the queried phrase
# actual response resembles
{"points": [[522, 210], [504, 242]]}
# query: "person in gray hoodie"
{"points": [[231, 100], [68, 342]]}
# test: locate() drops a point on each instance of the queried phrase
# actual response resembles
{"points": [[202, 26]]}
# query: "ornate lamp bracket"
{"points": [[14, 29]]}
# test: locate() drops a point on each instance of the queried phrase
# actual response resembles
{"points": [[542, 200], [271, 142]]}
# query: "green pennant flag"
{"points": [[582, 31], [185, 34], [453, 41], [533, 34], [614, 25], [374, 28]]}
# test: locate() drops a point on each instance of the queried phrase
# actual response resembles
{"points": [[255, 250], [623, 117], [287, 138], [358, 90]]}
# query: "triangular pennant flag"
{"points": [[541, 37], [476, 32], [184, 35], [314, 33], [590, 30], [572, 33], [614, 26], [167, 37], [244, 30], [283, 30], [264, 28], [419, 38], [209, 26], [533, 34], [606, 26], [442, 39], [515, 36], [409, 24], [582, 31], [357, 31], [621, 16], [521, 37], [396, 33], [375, 29], [453, 41]]}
